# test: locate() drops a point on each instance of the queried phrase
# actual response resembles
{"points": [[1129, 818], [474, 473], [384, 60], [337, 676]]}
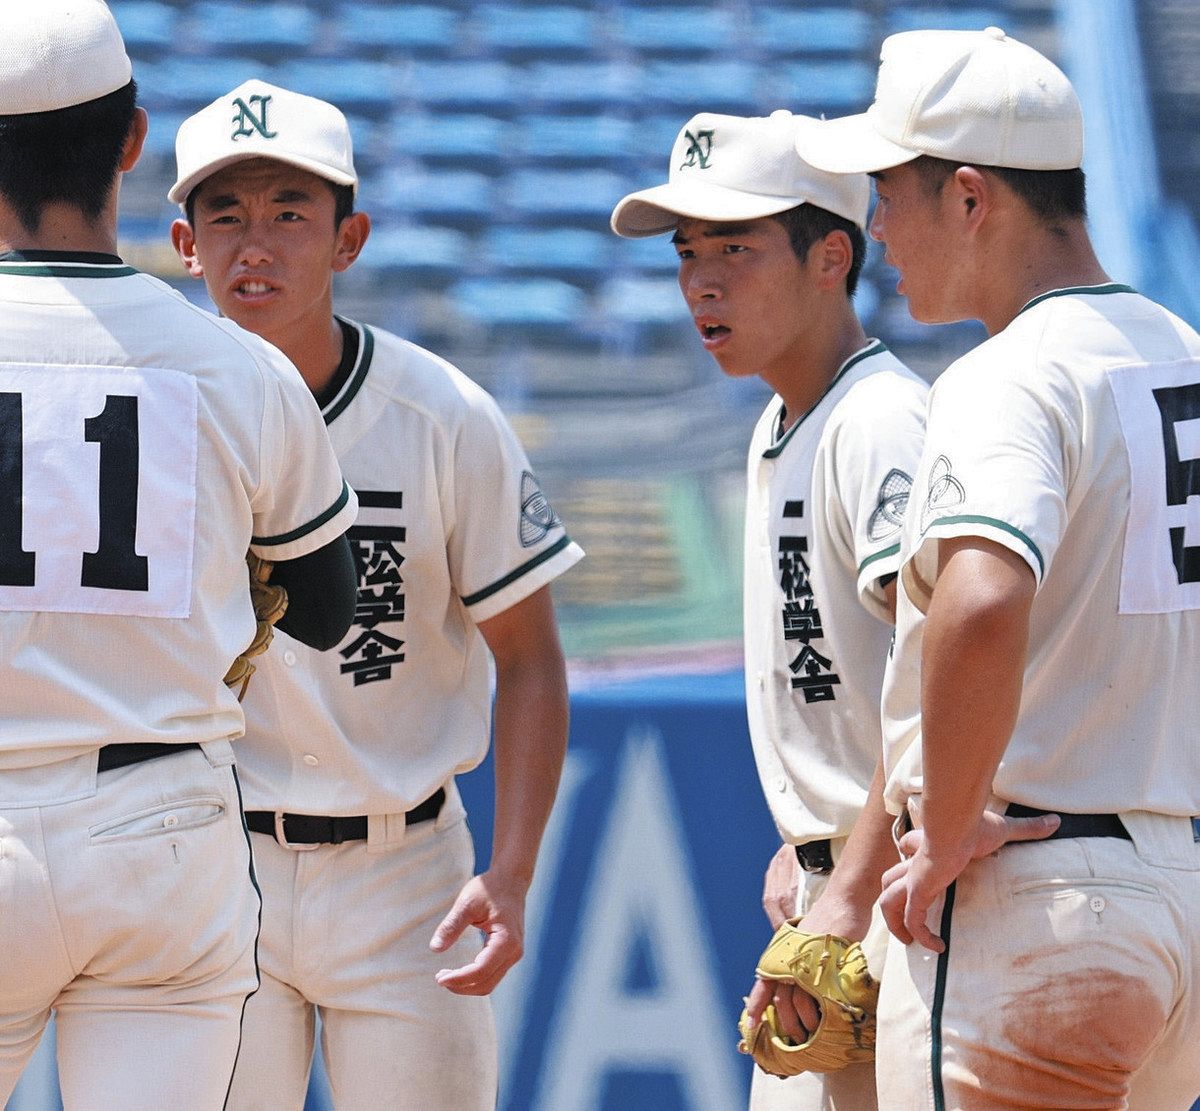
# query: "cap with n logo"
{"points": [[258, 120], [58, 53], [727, 168]]}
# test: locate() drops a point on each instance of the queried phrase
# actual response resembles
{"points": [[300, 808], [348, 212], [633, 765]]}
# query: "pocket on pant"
{"points": [[165, 818], [1092, 886]]}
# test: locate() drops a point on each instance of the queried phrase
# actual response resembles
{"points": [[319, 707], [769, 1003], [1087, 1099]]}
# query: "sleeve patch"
{"points": [[946, 493], [888, 516], [537, 514]]}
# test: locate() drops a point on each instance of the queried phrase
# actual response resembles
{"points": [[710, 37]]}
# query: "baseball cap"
{"points": [[57, 54], [258, 120], [738, 168], [966, 96]]}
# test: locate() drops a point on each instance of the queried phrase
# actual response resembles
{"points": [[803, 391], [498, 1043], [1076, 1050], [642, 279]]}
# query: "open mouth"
{"points": [[712, 331], [253, 287]]}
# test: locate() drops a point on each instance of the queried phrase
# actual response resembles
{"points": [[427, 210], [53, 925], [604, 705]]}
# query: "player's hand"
{"points": [[797, 1011], [780, 884], [495, 905], [911, 887]]}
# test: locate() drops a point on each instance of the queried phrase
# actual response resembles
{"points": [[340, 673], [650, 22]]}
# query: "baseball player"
{"points": [[770, 250], [1048, 614], [360, 841], [144, 447]]}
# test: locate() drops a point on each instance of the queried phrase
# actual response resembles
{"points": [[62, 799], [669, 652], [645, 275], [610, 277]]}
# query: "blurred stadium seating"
{"points": [[494, 139]]}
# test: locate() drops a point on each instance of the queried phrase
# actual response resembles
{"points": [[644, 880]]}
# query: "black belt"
{"points": [[122, 755], [816, 857], [317, 829], [1074, 825]]}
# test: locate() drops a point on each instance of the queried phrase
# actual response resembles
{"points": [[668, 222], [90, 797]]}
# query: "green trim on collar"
{"points": [[1097, 290], [66, 270], [512, 576], [883, 554], [366, 351], [1004, 526], [875, 347], [312, 526]]}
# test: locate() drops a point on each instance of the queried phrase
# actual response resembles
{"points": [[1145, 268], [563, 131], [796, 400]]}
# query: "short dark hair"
{"points": [[807, 224], [343, 202], [68, 156], [1049, 194]]}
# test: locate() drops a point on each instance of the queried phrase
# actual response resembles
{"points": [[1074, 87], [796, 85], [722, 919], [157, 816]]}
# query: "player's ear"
{"points": [[971, 194], [834, 256], [134, 141], [184, 242], [351, 238]]}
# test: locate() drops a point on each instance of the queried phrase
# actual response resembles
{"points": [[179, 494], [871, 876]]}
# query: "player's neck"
{"points": [[315, 347], [62, 228], [806, 376], [1039, 260]]}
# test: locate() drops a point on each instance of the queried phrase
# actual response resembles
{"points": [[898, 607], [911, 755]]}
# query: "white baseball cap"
{"points": [[258, 120], [965, 96], [57, 54], [727, 168]]}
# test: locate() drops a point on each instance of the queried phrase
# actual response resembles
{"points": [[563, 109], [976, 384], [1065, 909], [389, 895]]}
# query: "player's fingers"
{"points": [[808, 1010], [894, 874], [910, 842], [756, 1002], [891, 905], [499, 954], [1031, 829], [916, 921], [785, 1012], [451, 927]]}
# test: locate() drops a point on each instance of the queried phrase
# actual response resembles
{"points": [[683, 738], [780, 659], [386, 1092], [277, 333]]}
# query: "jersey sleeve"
{"points": [[997, 460], [875, 455], [507, 541], [302, 502]]}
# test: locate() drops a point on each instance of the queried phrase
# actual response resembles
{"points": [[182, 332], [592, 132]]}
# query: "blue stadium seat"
{"points": [[575, 138], [451, 138], [815, 31], [820, 86], [146, 25], [350, 83], [434, 251], [654, 136], [686, 31], [367, 26], [946, 18], [453, 196], [266, 26], [164, 126], [548, 250], [650, 255], [700, 86], [566, 194], [517, 29], [643, 301], [191, 83], [461, 84], [530, 302], [579, 84]]}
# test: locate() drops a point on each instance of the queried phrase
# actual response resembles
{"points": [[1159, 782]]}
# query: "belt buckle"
{"points": [[281, 837]]}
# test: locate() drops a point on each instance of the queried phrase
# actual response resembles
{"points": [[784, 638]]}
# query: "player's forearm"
{"points": [[868, 853], [531, 718], [972, 670]]}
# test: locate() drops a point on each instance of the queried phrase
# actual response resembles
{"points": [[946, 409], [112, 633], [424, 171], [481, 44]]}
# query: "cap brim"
{"points": [[657, 210], [850, 145], [178, 192]]}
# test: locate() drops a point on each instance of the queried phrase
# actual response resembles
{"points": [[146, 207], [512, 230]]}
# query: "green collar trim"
{"points": [[875, 347], [366, 350], [63, 264], [1097, 290]]}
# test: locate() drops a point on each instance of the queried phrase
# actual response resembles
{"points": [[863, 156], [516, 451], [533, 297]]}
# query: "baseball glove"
{"points": [[270, 604], [834, 972]]}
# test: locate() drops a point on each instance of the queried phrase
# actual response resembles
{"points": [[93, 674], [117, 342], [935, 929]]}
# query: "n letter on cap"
{"points": [[246, 121], [699, 149]]}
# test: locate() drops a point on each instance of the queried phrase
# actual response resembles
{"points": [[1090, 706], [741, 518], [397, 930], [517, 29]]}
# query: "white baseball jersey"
{"points": [[143, 444], [1073, 438], [824, 503], [453, 530]]}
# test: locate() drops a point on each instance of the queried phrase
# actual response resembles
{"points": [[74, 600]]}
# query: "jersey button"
{"points": [[289, 658], [311, 760], [781, 784], [170, 821], [1097, 903]]}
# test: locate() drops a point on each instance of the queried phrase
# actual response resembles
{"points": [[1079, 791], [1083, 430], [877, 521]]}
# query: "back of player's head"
{"points": [[736, 168], [258, 120], [67, 104]]}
